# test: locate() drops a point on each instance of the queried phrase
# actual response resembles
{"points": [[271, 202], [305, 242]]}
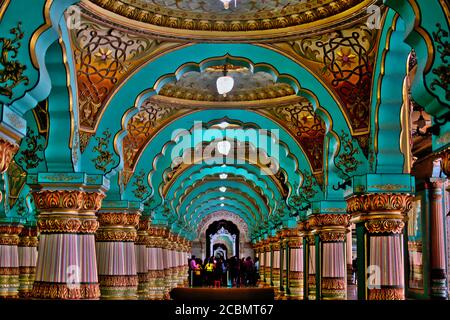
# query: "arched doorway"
{"points": [[222, 234]]}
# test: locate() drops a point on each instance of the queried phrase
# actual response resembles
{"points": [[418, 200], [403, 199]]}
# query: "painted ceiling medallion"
{"points": [[227, 19]]}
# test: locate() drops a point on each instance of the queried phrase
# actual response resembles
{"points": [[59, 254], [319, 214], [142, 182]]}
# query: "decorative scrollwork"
{"points": [[105, 157], [12, 71], [443, 71], [306, 126], [347, 162], [30, 155], [141, 190]]}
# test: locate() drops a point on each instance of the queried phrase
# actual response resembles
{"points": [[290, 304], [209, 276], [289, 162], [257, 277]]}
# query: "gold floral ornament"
{"points": [[346, 57], [104, 158], [141, 190], [103, 55], [347, 162], [11, 71]]}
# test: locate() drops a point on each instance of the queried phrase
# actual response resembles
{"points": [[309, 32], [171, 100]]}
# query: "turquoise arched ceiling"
{"points": [[138, 84]]}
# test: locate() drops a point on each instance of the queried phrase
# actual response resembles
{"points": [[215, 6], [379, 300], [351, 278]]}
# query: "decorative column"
{"points": [[349, 255], [275, 264], [66, 265], [311, 276], [142, 259], [267, 264], [331, 229], [167, 262], [155, 247], [116, 255], [9, 260], [380, 220], [262, 263], [295, 252], [28, 243], [283, 260], [437, 219]]}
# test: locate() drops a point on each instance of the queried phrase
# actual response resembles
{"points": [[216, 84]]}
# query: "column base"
{"points": [[386, 293], [9, 282], [334, 289], [143, 286], [311, 287], [26, 280], [120, 287], [296, 285], [439, 290], [54, 290]]}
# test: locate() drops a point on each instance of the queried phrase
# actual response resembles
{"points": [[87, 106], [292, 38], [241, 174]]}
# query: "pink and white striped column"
{"points": [[295, 252], [382, 216], [27, 260], [9, 260], [142, 259], [66, 265], [155, 246], [116, 255], [332, 229], [311, 267], [439, 283]]}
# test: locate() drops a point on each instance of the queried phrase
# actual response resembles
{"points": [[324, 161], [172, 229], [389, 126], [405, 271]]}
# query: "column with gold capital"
{"points": [[167, 262], [380, 219], [27, 260], [331, 230], [155, 247], [437, 233], [9, 260], [142, 258], [267, 263], [310, 243], [67, 204], [116, 255], [296, 262], [275, 264]]}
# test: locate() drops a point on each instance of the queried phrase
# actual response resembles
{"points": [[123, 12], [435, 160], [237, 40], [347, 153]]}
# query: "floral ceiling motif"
{"points": [[104, 56], [305, 126], [345, 60]]}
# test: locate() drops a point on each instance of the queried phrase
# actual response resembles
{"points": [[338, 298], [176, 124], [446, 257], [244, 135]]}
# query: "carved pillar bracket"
{"points": [[116, 254], [67, 204]]}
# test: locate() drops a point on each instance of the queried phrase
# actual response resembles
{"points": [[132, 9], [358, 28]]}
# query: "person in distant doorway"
{"points": [[198, 273]]}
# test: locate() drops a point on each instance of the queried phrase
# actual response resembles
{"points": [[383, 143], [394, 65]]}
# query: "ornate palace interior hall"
{"points": [[311, 136]]}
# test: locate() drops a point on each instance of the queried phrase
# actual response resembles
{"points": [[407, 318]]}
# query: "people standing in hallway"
{"points": [[256, 279], [209, 272]]}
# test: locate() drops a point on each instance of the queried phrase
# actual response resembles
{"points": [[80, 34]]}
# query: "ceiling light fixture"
{"points": [[223, 189], [225, 83], [222, 198], [222, 205], [224, 147], [223, 176], [226, 4]]}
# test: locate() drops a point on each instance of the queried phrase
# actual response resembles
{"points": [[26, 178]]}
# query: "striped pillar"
{"points": [[66, 266], [332, 229], [437, 219], [283, 262], [267, 263], [27, 260], [116, 255], [349, 254], [167, 263], [156, 263], [142, 259], [9, 261], [295, 252], [382, 217], [311, 267], [262, 266], [275, 274]]}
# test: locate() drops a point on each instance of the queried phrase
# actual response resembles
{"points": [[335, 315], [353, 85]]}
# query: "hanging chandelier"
{"points": [[225, 83], [226, 4]]}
